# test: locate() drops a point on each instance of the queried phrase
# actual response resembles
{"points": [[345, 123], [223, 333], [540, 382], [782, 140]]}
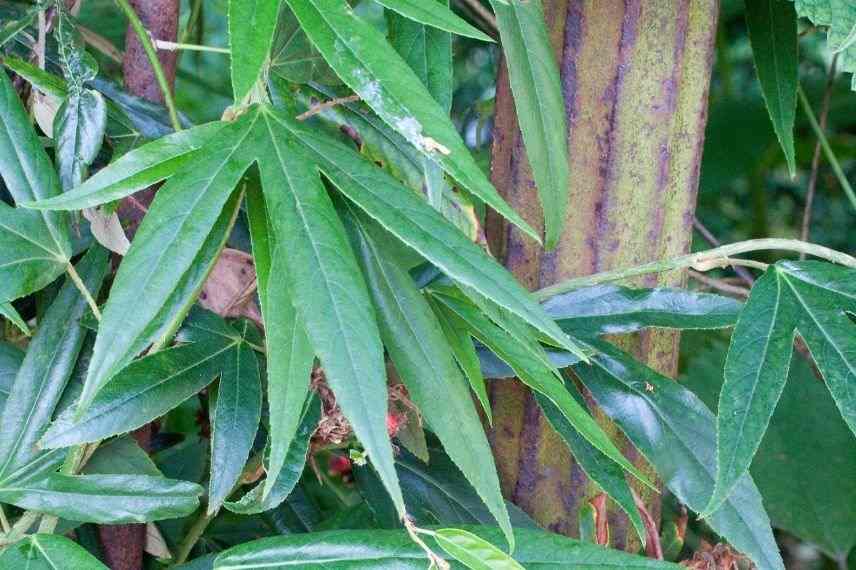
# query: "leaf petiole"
{"points": [[78, 282]]}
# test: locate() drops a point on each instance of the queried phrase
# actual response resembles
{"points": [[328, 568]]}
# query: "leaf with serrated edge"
{"points": [[418, 349], [362, 57], [675, 432], [809, 298], [142, 392], [45, 370], [419, 226], [135, 170], [177, 225], [534, 77], [251, 27], [536, 374], [106, 499], [434, 14], [773, 33], [234, 422], [328, 292]]}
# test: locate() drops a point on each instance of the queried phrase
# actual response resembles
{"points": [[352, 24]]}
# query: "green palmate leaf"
{"points": [[177, 226], [255, 501], [44, 372], [105, 499], [810, 298], [10, 361], [234, 423], [48, 552], [534, 77], [145, 390], [839, 16], [773, 33], [251, 27], [290, 355], [434, 14], [539, 376], [473, 551], [610, 309], [328, 292], [411, 220], [371, 549], [674, 430], [293, 57], [360, 55], [34, 249], [135, 170], [418, 349], [459, 340], [8, 312], [815, 504], [78, 131], [600, 469]]}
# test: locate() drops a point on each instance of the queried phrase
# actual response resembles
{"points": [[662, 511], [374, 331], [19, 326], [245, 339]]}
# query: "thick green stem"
{"points": [[81, 286], [701, 261], [194, 533], [151, 54]]}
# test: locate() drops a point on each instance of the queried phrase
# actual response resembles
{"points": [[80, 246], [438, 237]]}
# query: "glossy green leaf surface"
{"points": [[810, 298], [364, 550], [539, 376], [534, 77], [251, 27], [434, 491], [775, 48], [135, 170], [600, 468], [33, 248], [415, 342], [611, 309], [434, 14], [410, 219], [473, 551], [167, 242], [459, 340], [255, 501], [235, 422], [10, 361], [674, 430], [48, 552], [106, 499], [121, 456], [79, 128], [815, 504], [328, 291], [362, 57], [145, 390], [45, 371]]}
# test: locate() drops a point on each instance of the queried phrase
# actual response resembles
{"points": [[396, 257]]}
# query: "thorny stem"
{"points": [[151, 54], [701, 261], [815, 161], [413, 531], [827, 150], [78, 282]]}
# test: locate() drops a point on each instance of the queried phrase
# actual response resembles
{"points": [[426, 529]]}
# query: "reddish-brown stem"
{"points": [[815, 161]]}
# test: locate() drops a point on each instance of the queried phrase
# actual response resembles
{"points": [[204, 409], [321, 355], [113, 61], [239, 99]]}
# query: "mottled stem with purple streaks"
{"points": [[635, 76]]}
